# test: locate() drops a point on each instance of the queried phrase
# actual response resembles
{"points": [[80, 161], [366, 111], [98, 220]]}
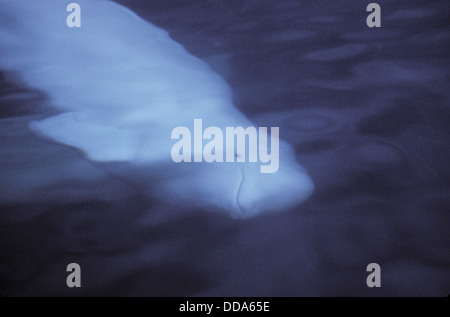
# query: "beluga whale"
{"points": [[138, 105]]}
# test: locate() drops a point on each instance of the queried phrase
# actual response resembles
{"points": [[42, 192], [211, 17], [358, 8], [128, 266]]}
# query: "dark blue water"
{"points": [[367, 111]]}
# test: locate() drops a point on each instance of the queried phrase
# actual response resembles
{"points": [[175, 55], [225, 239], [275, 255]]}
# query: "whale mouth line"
{"points": [[242, 210]]}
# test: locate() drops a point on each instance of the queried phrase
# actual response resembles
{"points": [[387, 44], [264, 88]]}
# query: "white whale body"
{"points": [[121, 85]]}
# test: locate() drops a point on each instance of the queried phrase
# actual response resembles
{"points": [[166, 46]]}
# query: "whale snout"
{"points": [[262, 193], [238, 189]]}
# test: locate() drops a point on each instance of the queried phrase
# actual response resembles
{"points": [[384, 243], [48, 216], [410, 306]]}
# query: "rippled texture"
{"points": [[367, 111]]}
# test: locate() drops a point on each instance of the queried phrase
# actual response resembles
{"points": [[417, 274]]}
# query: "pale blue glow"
{"points": [[122, 85]]}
